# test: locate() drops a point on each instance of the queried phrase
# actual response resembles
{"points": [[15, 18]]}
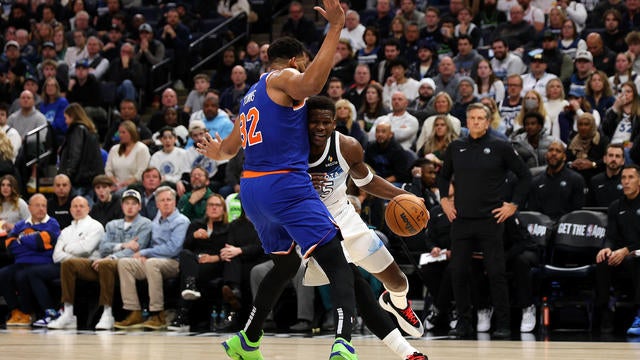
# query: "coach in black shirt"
{"points": [[558, 190], [605, 187], [480, 163]]}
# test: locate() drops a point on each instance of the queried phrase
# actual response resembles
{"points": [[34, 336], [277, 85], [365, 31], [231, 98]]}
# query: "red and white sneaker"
{"points": [[417, 356], [407, 319]]}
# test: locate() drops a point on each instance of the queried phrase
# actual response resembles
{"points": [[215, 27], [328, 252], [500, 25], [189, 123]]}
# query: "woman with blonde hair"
{"points": [[345, 124], [53, 105], [80, 155], [496, 122], [14, 208], [555, 103], [442, 104], [442, 134], [128, 159], [598, 92], [532, 101]]}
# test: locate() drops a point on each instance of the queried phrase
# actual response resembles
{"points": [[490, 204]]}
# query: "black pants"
{"points": [[485, 235], [437, 278], [629, 268], [522, 283]]}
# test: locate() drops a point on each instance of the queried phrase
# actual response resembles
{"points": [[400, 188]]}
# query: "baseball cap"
{"points": [[549, 35], [429, 82], [577, 92], [427, 44], [197, 125], [82, 63], [102, 180], [48, 44], [537, 57], [466, 79], [146, 28], [11, 43], [133, 194], [584, 55]]}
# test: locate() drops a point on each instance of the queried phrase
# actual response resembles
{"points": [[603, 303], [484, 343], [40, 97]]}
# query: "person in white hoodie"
{"points": [[78, 240]]}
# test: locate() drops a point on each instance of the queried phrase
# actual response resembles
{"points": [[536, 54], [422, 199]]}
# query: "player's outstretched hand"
{"points": [[211, 147], [332, 12]]}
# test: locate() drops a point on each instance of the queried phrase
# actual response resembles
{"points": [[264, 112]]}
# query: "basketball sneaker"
{"points": [[238, 347], [407, 319], [634, 329], [417, 356], [342, 350]]}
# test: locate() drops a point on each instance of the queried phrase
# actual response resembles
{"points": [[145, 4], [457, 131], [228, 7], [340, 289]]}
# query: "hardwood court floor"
{"points": [[67, 345]]}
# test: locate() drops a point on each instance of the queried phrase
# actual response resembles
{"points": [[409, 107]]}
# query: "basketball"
{"points": [[406, 215]]}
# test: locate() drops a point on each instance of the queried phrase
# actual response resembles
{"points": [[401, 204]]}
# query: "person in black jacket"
{"points": [[127, 73], [605, 187], [480, 163], [80, 156]]}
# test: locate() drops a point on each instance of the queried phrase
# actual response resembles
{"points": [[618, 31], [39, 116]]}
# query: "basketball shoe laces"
{"points": [[409, 315], [417, 356]]}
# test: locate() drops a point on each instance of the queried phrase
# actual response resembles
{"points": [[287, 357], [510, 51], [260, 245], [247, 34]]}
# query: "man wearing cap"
{"points": [[172, 161], [427, 64], [584, 67], [15, 64], [111, 48], [123, 237], [504, 62], [30, 84], [148, 51], [603, 58], [154, 263], [83, 87], [108, 205], [422, 106], [558, 63], [538, 78]]}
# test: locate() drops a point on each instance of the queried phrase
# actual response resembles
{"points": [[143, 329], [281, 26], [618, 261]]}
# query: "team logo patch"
{"points": [[487, 151], [638, 212], [619, 187], [563, 183]]}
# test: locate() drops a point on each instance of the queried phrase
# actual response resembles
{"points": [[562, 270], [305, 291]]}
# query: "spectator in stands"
{"points": [[386, 156], [127, 73], [558, 63], [432, 31], [605, 187], [148, 51], [176, 37], [151, 180], [128, 159], [31, 243], [447, 78], [422, 106], [81, 21], [466, 97], [531, 102], [107, 206], [426, 64], [85, 89], [467, 59], [59, 203], [119, 241], [113, 42], [633, 42], [496, 121], [587, 148], [155, 263], [98, 65], [488, 17], [391, 50], [252, 61], [197, 130], [78, 240], [603, 58], [30, 83], [624, 73], [221, 77], [353, 30], [440, 136], [465, 27], [103, 22], [128, 112], [622, 120], [214, 119], [13, 69], [11, 137], [538, 77], [13, 208], [194, 203], [344, 62], [80, 156], [613, 35], [399, 82], [201, 262], [598, 92], [370, 52], [442, 105], [558, 190], [409, 12], [372, 107], [486, 82], [355, 93], [570, 42], [195, 99], [172, 161], [504, 62], [52, 67], [409, 42], [617, 258], [169, 100], [299, 27], [382, 18], [404, 126], [631, 17], [517, 33], [345, 121], [532, 14], [532, 141], [231, 96], [596, 15], [555, 104], [52, 107]]}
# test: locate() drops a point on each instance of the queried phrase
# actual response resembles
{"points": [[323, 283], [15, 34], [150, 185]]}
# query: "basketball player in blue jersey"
{"points": [[333, 157], [276, 190]]}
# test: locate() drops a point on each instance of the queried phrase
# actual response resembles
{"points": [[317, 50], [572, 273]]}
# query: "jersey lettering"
{"points": [[249, 132]]}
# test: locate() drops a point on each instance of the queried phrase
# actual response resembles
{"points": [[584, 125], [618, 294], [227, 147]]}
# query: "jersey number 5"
{"points": [[249, 128]]}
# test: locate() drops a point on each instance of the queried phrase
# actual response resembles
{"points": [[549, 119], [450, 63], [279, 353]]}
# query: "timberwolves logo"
{"points": [[486, 151], [638, 212], [563, 183], [619, 187]]}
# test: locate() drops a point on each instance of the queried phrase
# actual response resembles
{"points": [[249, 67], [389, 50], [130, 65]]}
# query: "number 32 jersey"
{"points": [[274, 137]]}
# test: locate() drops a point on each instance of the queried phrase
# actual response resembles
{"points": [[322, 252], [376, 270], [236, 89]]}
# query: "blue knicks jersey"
{"points": [[274, 137]]}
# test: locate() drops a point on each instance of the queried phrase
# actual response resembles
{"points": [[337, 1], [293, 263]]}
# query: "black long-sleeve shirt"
{"points": [[557, 194], [603, 190], [480, 167], [623, 227]]}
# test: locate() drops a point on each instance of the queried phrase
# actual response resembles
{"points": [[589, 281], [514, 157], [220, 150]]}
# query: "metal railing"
{"points": [[163, 67], [39, 156], [238, 19]]}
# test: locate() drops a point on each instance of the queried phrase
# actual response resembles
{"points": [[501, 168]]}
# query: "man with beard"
{"points": [[558, 190], [422, 106], [216, 121], [504, 62], [605, 187]]}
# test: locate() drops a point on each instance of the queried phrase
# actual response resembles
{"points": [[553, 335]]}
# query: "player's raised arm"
{"points": [[308, 82]]}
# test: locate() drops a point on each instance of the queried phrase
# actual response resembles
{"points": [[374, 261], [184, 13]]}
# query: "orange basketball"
{"points": [[406, 215]]}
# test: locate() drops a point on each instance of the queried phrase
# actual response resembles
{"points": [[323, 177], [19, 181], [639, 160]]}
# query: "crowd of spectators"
{"points": [[560, 84]]}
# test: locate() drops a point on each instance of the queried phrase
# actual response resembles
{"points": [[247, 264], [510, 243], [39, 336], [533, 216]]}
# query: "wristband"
{"points": [[364, 181]]}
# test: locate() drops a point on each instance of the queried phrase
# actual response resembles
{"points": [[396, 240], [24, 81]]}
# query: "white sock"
{"points": [[107, 311], [399, 298], [398, 344], [68, 308]]}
